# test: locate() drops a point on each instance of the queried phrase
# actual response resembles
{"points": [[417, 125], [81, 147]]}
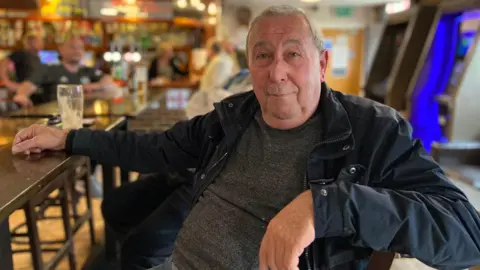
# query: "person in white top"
{"points": [[219, 68]]}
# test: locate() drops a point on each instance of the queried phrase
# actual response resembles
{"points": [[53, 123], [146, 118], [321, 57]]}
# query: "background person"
{"points": [[219, 68], [41, 87], [25, 61]]}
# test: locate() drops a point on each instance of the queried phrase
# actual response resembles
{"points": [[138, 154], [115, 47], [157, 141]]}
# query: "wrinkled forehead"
{"points": [[275, 29]]}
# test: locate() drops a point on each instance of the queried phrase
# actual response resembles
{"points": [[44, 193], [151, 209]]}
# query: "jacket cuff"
{"points": [[329, 204], [69, 142], [79, 142]]}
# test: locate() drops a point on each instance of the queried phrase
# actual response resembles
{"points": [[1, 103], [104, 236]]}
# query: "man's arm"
{"points": [[411, 207], [104, 83], [26, 88], [100, 81], [30, 85], [4, 75], [177, 148]]}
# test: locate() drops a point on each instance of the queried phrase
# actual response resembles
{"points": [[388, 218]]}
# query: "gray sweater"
{"points": [[264, 174]]}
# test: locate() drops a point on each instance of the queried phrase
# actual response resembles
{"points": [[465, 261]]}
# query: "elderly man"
{"points": [[69, 71], [293, 175]]}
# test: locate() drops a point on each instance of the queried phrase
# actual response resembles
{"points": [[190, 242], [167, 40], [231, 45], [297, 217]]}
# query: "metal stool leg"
{"points": [[34, 240]]}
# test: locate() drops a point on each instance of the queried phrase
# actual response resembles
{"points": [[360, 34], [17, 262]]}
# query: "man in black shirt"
{"points": [[25, 61], [41, 86]]}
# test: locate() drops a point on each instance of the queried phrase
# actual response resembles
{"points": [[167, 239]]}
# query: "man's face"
{"points": [[286, 69], [210, 54], [228, 46], [35, 43], [168, 53], [72, 51]]}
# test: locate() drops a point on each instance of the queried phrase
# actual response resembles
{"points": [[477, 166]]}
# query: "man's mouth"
{"points": [[281, 95]]}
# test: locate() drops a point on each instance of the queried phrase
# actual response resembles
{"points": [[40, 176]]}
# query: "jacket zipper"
{"points": [[305, 185], [307, 258], [205, 184]]}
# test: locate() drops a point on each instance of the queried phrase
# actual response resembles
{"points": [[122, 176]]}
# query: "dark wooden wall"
{"points": [[19, 4], [416, 37]]}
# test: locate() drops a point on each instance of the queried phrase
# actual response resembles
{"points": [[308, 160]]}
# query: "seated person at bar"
{"points": [[220, 67], [41, 86], [25, 61], [161, 67], [291, 175], [167, 66]]}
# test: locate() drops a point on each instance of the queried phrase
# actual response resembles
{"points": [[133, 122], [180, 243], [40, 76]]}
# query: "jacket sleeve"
{"points": [[410, 208], [176, 148]]}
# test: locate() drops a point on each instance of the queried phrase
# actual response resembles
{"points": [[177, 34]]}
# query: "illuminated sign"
{"points": [[131, 9], [397, 7], [61, 8]]}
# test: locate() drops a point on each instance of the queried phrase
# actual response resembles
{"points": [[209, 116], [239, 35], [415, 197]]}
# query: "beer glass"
{"points": [[70, 102]]}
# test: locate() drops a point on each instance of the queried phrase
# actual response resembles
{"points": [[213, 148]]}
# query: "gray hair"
{"points": [[286, 10]]}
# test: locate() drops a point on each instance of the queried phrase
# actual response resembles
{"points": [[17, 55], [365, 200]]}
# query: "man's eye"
{"points": [[293, 54], [262, 56]]}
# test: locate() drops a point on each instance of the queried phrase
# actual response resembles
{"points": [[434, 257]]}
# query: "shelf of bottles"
{"points": [[53, 32], [11, 32], [146, 36]]}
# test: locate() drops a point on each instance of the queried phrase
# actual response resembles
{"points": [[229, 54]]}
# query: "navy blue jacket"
{"points": [[374, 188]]}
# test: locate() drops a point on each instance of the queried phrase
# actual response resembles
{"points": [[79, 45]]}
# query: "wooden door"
{"points": [[348, 80]]}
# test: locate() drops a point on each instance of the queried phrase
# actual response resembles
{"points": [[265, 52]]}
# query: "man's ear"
{"points": [[323, 64]]}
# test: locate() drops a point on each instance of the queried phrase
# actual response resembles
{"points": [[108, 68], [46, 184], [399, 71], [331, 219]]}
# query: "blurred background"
{"points": [[420, 57]]}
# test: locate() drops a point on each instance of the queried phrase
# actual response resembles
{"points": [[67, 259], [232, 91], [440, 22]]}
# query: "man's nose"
{"points": [[278, 71]]}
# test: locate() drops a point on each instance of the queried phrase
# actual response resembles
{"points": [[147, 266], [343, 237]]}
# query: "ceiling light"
{"points": [[108, 12], [116, 56], [212, 8], [182, 3], [212, 20], [131, 2], [396, 7], [136, 57], [201, 6], [127, 56], [107, 56]]}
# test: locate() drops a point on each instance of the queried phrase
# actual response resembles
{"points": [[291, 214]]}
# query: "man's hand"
{"points": [[22, 100], [288, 234], [90, 87], [36, 138]]}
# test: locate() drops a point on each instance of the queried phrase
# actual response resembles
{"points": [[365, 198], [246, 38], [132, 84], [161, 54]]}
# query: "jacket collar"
{"points": [[236, 112]]}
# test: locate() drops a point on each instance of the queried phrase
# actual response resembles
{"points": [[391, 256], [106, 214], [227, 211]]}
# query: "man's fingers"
{"points": [[279, 254], [289, 258], [263, 257], [293, 264], [22, 135], [25, 146], [25, 134], [271, 248], [36, 150]]}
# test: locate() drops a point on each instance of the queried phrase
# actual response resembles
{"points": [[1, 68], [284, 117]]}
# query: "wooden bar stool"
{"points": [[31, 215], [67, 197], [82, 173]]}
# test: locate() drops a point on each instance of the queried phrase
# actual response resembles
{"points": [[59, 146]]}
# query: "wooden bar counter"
{"points": [[104, 104], [23, 176]]}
